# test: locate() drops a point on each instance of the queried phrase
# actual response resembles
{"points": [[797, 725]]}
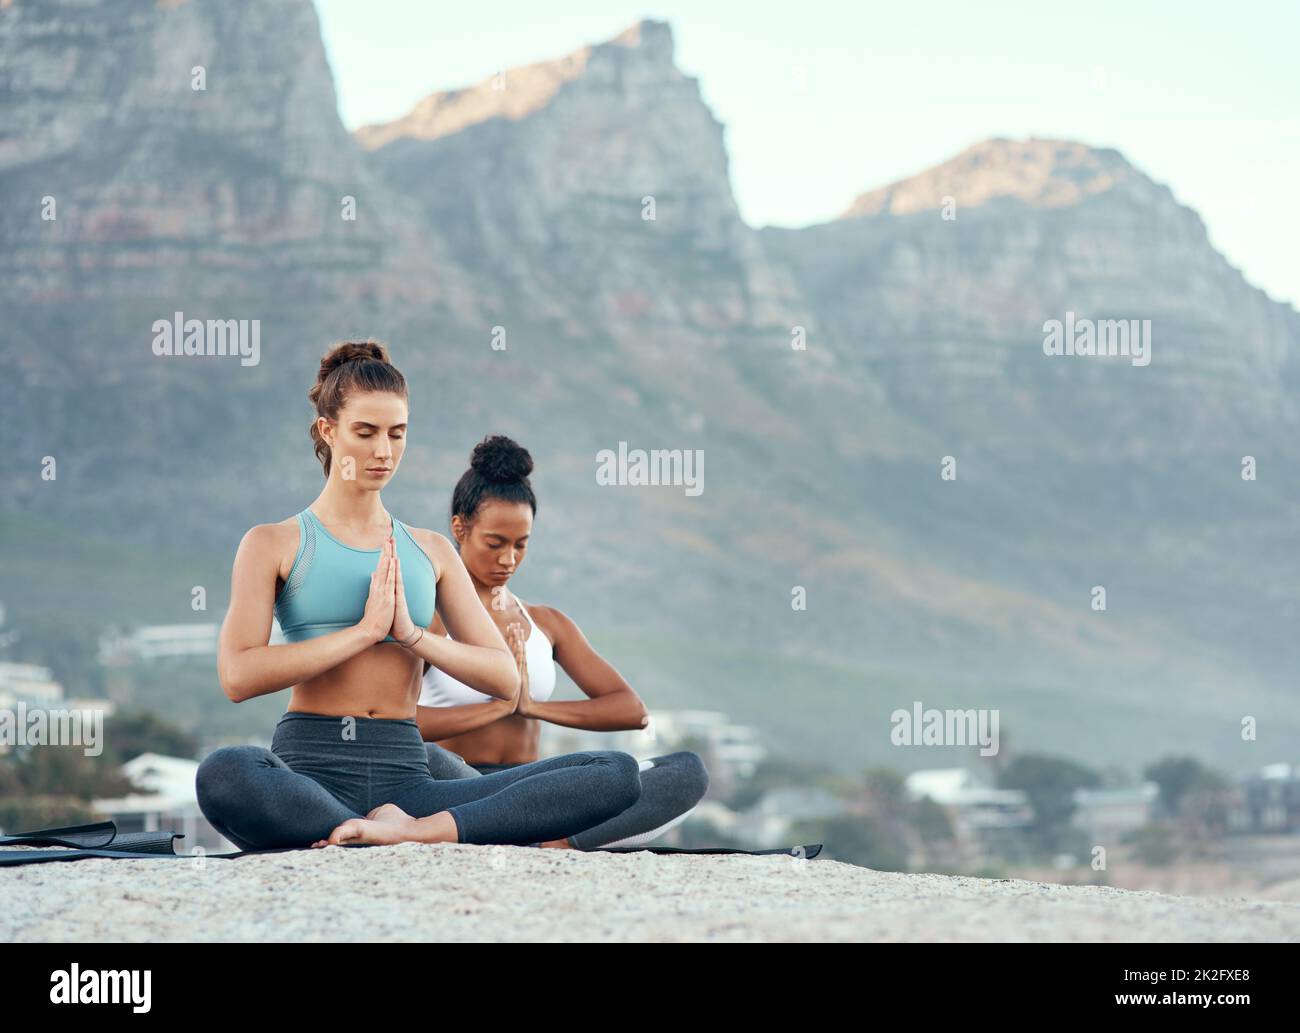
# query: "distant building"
{"points": [[163, 641], [985, 820], [29, 682], [158, 641], [975, 804], [1269, 802], [1106, 814], [166, 800]]}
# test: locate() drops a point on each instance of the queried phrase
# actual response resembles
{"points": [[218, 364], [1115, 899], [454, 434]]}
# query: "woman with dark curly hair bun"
{"points": [[492, 510]]}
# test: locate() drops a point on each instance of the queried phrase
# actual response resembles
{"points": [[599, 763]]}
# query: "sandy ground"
{"points": [[464, 892]]}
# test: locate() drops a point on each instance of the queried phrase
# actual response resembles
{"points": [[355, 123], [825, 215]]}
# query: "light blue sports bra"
{"points": [[329, 582]]}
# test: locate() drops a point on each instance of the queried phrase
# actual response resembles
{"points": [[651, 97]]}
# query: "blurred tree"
{"points": [[1049, 784], [1179, 775], [885, 787], [66, 771], [69, 650], [28, 813], [931, 822], [129, 733]]}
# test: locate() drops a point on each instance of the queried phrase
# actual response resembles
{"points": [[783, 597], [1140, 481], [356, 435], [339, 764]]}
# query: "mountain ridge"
{"points": [[1039, 171], [445, 112]]}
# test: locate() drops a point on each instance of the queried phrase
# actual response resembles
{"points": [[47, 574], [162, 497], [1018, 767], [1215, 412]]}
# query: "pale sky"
{"points": [[823, 100]]}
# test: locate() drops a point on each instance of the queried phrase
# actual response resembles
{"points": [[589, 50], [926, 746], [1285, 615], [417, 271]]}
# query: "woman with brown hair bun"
{"points": [[356, 593]]}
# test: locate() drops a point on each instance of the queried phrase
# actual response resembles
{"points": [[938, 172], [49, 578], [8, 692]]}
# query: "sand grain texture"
{"points": [[461, 893]]}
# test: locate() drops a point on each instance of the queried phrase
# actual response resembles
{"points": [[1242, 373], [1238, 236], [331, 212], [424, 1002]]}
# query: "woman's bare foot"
{"points": [[372, 831], [388, 824]]}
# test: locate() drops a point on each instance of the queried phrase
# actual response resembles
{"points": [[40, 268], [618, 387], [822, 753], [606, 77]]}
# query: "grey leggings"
{"points": [[321, 770], [671, 786]]}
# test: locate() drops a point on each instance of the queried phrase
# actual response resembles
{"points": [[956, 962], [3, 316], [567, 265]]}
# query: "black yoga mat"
{"points": [[102, 839], [102, 835], [809, 851]]}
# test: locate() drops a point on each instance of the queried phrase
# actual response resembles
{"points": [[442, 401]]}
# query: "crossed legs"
{"points": [[254, 799]]}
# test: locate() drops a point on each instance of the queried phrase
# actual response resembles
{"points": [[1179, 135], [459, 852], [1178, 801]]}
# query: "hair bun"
{"points": [[499, 459], [351, 351]]}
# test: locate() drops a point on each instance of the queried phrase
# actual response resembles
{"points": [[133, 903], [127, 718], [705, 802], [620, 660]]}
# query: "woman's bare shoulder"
{"points": [[438, 547], [555, 623], [262, 536], [271, 544]]}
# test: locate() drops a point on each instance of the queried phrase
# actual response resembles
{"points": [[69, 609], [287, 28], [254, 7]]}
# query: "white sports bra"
{"points": [[440, 689]]}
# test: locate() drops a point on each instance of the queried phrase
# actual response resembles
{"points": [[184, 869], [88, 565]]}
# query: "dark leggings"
{"points": [[322, 770], [671, 786]]}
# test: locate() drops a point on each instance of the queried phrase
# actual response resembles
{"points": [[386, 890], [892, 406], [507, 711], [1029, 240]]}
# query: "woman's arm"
{"points": [[444, 722], [437, 723], [246, 665], [613, 705], [478, 656]]}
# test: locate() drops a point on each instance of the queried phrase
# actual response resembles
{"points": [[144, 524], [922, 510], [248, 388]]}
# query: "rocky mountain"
{"points": [[941, 286], [178, 157], [1032, 230], [555, 253], [165, 158], [597, 186]]}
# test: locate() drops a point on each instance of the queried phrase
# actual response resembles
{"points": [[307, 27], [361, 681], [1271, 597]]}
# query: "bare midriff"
{"points": [[382, 680], [508, 740]]}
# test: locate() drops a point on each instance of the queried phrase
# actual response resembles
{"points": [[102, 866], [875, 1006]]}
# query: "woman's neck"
{"points": [[485, 592], [346, 504]]}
